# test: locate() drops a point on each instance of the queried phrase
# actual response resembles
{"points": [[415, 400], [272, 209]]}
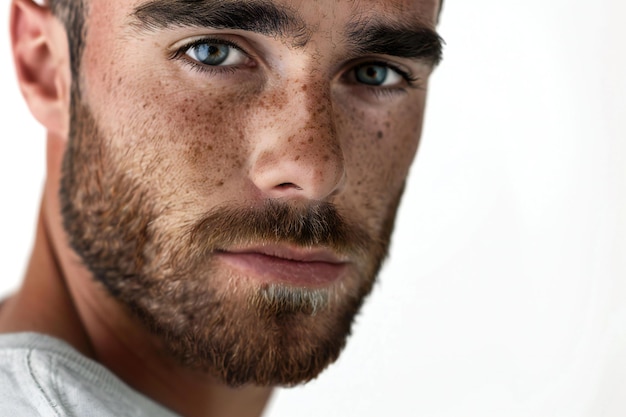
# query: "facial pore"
{"points": [[152, 243], [268, 335]]}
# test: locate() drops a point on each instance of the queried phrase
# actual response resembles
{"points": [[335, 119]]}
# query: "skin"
{"points": [[289, 125]]}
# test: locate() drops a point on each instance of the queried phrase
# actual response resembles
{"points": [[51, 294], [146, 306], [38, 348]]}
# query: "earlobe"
{"points": [[41, 59]]}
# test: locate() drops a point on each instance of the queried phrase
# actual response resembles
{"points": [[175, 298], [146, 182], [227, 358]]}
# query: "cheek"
{"points": [[379, 147], [207, 138], [379, 151], [182, 144]]}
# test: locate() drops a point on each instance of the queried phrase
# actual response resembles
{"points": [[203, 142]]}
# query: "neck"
{"points": [[79, 311], [43, 303]]}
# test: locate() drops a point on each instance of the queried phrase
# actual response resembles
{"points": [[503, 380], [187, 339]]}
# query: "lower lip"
{"points": [[271, 269]]}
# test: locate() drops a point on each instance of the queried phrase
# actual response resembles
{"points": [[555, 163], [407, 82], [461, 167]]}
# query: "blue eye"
{"points": [[215, 54], [371, 74], [377, 75], [210, 54]]}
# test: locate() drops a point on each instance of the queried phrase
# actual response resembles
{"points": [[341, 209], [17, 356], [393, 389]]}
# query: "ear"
{"points": [[41, 56]]}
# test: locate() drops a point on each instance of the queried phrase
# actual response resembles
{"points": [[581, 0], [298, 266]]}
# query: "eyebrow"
{"points": [[400, 39], [258, 16]]}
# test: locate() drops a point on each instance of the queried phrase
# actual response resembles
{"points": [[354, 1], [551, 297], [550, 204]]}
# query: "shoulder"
{"points": [[17, 394], [44, 376]]}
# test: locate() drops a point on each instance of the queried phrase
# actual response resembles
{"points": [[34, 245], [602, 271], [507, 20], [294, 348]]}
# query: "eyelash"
{"points": [[411, 80]]}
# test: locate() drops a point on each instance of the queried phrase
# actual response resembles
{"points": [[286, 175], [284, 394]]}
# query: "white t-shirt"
{"points": [[44, 376]]}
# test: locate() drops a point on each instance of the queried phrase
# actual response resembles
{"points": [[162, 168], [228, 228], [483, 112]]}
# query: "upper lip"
{"points": [[291, 253]]}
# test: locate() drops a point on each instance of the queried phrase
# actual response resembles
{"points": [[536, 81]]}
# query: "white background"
{"points": [[505, 294]]}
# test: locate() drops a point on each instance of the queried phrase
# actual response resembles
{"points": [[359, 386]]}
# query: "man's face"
{"points": [[234, 169]]}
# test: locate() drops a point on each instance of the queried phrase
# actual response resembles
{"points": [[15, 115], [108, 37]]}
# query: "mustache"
{"points": [[275, 221]]}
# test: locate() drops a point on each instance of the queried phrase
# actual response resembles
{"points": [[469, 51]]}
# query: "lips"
{"points": [[314, 268]]}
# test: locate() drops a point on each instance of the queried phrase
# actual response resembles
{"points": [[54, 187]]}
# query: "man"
{"points": [[222, 183]]}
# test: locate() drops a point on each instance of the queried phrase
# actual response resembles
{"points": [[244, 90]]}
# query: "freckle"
{"points": [[304, 87], [380, 134], [297, 158], [220, 184], [119, 81], [310, 140], [326, 158]]}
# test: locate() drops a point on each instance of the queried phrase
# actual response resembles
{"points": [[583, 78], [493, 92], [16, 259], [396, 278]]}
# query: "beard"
{"points": [[164, 272]]}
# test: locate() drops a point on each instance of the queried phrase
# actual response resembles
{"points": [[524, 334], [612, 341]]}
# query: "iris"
{"points": [[210, 53], [372, 74]]}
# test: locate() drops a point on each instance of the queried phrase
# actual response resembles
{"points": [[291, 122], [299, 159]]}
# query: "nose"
{"points": [[297, 154]]}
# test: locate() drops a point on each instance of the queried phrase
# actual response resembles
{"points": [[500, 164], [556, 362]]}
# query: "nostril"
{"points": [[286, 185], [274, 173]]}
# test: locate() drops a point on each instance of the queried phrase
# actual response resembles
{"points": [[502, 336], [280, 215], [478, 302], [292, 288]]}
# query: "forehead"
{"points": [[317, 15]]}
